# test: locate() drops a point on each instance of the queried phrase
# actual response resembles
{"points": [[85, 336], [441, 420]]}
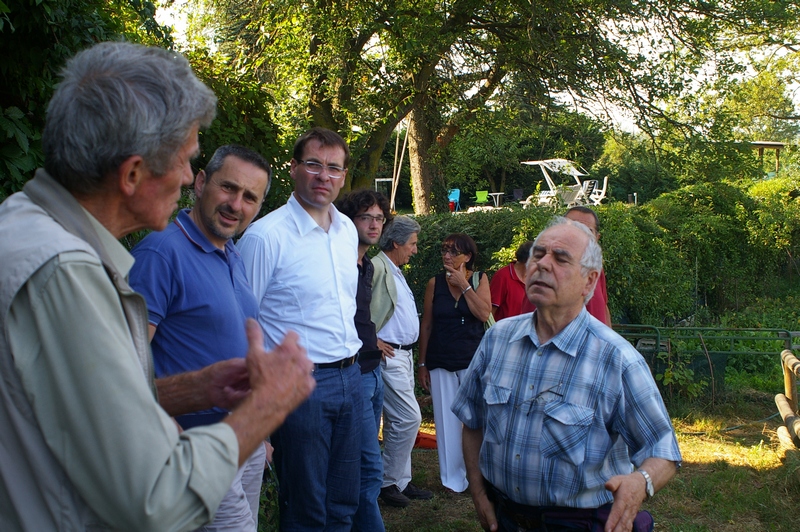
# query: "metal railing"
{"points": [[707, 347]]}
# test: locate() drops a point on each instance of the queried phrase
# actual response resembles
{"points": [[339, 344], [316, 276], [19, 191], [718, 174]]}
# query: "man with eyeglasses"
{"points": [[369, 211], [558, 408], [395, 315], [301, 262], [198, 297]]}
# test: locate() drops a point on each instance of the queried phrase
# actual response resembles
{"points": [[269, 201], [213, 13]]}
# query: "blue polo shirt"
{"points": [[198, 297]]}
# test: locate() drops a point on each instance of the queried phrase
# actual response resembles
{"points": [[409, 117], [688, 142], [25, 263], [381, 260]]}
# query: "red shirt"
{"points": [[596, 306], [508, 292]]}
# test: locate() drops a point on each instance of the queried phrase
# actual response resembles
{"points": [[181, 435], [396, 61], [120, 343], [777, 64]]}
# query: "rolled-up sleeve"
{"points": [[644, 422], [122, 453]]}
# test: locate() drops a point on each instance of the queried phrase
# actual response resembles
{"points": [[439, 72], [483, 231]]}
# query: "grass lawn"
{"points": [[736, 476]]}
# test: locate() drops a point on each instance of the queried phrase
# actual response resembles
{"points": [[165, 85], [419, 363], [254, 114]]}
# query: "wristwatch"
{"points": [[649, 481]]}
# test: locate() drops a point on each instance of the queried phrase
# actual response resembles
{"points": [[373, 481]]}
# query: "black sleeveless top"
{"points": [[456, 333]]}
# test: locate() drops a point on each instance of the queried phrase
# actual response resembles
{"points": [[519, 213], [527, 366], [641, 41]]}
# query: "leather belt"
{"points": [[534, 517], [339, 364], [400, 346]]}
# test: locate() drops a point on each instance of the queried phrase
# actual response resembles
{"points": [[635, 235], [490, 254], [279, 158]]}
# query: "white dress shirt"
{"points": [[403, 327], [305, 280]]}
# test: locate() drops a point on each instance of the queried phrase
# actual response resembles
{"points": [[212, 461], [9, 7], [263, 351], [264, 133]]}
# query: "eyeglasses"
{"points": [[541, 397], [368, 218], [315, 168], [453, 252]]}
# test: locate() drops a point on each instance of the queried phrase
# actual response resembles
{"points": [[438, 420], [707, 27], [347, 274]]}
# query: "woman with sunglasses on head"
{"points": [[457, 303]]}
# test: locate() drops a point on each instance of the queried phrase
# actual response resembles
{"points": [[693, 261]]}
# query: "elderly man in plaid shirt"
{"points": [[564, 428]]}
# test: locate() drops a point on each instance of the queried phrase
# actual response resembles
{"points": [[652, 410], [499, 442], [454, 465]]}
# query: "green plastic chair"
{"points": [[481, 196]]}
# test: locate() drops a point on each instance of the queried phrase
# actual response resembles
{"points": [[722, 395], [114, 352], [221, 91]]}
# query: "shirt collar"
{"points": [[392, 266], [305, 223], [565, 340], [514, 275], [117, 254], [195, 235]]}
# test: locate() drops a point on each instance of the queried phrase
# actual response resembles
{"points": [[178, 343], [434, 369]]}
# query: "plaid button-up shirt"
{"points": [[561, 418]]}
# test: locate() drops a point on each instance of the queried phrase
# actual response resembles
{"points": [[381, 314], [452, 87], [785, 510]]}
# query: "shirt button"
{"points": [[517, 457], [516, 489]]}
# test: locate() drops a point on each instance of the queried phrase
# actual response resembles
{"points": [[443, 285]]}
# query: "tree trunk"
{"points": [[423, 170]]}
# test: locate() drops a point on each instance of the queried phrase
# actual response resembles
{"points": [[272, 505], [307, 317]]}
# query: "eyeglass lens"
{"points": [[368, 218], [315, 168]]}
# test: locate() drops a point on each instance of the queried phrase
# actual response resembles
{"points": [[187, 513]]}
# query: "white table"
{"points": [[496, 198]]}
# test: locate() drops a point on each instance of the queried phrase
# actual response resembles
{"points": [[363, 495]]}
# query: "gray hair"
{"points": [[116, 100], [398, 231], [592, 258]]}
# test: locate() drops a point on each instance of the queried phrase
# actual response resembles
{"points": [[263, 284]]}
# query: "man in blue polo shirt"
{"points": [[198, 298]]}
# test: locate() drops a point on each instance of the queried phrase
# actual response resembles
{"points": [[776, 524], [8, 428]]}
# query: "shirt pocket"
{"points": [[565, 432], [497, 412]]}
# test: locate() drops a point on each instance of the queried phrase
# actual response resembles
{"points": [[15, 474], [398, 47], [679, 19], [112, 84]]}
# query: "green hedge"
{"points": [[713, 247]]}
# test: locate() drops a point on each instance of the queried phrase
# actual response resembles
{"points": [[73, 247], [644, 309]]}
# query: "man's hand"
{"points": [[227, 382], [485, 510], [424, 378], [386, 349], [280, 380], [471, 441], [629, 492]]}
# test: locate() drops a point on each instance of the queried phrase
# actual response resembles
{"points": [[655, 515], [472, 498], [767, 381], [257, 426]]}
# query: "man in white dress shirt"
{"points": [[301, 262], [395, 315]]}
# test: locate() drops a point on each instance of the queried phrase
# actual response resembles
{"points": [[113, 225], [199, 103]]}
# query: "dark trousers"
{"points": [[515, 517]]}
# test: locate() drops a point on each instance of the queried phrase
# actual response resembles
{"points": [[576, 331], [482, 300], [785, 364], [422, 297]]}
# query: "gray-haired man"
{"points": [[558, 408], [85, 443], [395, 315]]}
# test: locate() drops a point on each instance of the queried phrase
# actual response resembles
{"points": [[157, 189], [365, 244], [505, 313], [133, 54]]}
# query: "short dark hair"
{"points": [[326, 137], [524, 251], [240, 152], [462, 242], [586, 210], [358, 201]]}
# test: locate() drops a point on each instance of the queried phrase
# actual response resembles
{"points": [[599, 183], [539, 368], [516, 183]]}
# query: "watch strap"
{"points": [[649, 489]]}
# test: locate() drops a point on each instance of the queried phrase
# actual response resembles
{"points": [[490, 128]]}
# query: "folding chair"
{"points": [[454, 196]]}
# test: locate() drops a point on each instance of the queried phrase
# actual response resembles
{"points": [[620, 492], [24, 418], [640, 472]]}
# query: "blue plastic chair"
{"points": [[454, 196]]}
